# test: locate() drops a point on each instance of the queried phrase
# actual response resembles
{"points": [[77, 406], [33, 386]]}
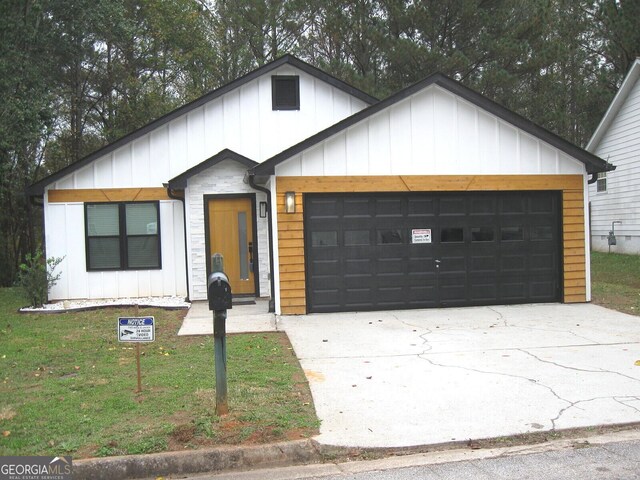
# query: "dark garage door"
{"points": [[392, 251]]}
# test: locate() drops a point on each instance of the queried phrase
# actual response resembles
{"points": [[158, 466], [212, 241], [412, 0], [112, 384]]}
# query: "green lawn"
{"points": [[68, 386], [615, 281]]}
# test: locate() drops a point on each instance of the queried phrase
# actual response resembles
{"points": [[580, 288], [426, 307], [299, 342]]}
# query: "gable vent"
{"points": [[285, 92]]}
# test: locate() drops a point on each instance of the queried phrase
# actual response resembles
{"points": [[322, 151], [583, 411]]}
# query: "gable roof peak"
{"points": [[593, 163], [37, 188], [616, 104]]}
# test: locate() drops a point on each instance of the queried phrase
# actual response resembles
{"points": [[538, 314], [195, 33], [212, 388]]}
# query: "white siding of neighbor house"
{"points": [[65, 237], [432, 132], [241, 120], [620, 145], [223, 178]]}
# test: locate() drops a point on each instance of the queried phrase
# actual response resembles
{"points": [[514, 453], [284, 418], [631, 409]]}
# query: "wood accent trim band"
{"points": [[290, 226], [107, 195], [431, 183]]}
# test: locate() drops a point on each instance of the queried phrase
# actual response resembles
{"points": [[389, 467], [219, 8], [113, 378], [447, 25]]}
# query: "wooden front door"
{"points": [[231, 234]]}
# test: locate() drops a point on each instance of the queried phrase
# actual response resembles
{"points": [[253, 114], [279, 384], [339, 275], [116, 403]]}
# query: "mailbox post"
{"points": [[219, 295]]}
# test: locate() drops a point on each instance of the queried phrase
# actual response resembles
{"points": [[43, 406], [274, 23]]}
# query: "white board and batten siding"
{"points": [[619, 145], [68, 240], [241, 120], [432, 132]]}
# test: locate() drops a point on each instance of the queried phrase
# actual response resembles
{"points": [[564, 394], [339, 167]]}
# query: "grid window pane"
{"points": [[142, 252], [103, 220], [104, 252], [142, 219]]}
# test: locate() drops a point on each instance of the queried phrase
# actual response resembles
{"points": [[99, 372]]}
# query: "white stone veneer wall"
{"points": [[224, 178]]}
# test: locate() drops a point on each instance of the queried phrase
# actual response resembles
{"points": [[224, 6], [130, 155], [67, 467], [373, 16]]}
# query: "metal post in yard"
{"points": [[220, 352]]}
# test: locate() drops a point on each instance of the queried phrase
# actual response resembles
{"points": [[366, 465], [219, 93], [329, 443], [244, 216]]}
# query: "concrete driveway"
{"points": [[417, 377]]}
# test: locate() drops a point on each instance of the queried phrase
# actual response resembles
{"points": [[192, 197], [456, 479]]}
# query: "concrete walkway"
{"points": [[417, 377], [240, 319]]}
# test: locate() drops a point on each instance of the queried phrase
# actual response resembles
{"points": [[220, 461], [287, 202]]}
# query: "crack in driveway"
{"points": [[576, 368]]}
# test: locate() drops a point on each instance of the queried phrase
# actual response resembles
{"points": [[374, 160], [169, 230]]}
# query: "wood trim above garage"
{"points": [[292, 258], [108, 195], [430, 183]]}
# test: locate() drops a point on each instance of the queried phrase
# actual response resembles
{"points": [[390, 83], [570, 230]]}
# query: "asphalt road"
{"points": [[619, 460]]}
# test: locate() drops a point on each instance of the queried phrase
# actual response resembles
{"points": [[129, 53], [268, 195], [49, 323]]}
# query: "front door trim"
{"points": [[207, 240]]}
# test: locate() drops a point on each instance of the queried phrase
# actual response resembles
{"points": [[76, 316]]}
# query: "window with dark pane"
{"points": [[285, 92], [452, 234], [511, 234], [122, 236], [356, 237], [324, 239], [482, 234], [390, 236], [541, 232]]}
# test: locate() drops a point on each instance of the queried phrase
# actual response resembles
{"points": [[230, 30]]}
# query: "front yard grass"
{"points": [[68, 386], [615, 281]]}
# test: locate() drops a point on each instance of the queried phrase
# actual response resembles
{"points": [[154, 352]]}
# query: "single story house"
{"points": [[326, 199], [615, 197]]}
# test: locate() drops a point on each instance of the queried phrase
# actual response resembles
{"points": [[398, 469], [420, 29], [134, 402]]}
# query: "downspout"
{"points": [[265, 190], [173, 196], [593, 179]]}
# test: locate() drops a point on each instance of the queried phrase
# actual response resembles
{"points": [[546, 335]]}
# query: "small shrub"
{"points": [[36, 277]]}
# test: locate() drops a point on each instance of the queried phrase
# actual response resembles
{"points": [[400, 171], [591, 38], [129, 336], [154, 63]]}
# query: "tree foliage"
{"points": [[78, 74]]}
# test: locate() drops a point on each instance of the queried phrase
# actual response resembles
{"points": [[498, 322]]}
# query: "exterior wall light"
{"points": [[290, 202], [263, 209]]}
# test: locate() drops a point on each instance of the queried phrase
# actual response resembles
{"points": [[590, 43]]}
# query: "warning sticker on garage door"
{"points": [[421, 235]]}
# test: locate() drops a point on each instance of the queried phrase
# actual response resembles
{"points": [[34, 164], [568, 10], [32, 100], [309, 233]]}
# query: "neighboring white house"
{"points": [[325, 199], [615, 197]]}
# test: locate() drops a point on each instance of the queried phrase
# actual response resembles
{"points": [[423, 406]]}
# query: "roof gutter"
{"points": [[251, 178], [171, 194]]}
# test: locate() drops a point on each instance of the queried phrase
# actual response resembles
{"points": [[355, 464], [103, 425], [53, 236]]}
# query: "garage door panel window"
{"points": [[451, 234], [390, 236], [482, 234], [511, 234], [541, 233], [356, 238], [122, 236], [324, 239]]}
